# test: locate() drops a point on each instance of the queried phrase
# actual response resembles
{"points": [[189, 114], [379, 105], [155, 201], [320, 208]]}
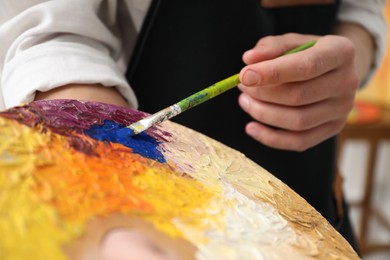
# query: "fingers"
{"points": [[326, 55], [293, 140], [271, 47], [296, 127], [298, 100], [296, 118], [304, 92]]}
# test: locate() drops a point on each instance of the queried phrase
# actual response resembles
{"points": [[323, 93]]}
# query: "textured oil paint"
{"points": [[142, 143], [65, 163], [54, 178]]}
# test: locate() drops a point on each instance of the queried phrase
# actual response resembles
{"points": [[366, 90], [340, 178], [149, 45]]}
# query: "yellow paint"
{"points": [[25, 223], [188, 200], [48, 191]]}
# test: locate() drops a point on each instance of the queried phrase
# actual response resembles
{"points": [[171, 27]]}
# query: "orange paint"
{"points": [[49, 190]]}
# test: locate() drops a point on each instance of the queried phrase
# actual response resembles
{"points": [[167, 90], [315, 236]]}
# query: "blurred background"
{"points": [[364, 162]]}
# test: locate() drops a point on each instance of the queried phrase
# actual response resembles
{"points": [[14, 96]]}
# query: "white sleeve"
{"points": [[370, 15], [46, 44]]}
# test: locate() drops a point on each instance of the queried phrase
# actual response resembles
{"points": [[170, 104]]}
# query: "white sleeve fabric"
{"points": [[370, 15], [46, 44]]}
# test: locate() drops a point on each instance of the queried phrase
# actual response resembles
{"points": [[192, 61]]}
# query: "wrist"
{"points": [[364, 47]]}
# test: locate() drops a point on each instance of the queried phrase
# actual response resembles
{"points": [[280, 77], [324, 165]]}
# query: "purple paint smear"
{"points": [[67, 117]]}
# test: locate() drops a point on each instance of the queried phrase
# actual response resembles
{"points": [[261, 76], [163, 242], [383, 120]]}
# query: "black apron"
{"points": [[185, 46]]}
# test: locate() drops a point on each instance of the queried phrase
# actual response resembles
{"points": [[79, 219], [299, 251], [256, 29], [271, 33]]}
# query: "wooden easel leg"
{"points": [[366, 207]]}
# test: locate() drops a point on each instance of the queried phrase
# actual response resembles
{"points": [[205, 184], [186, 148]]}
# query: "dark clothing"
{"points": [[186, 46]]}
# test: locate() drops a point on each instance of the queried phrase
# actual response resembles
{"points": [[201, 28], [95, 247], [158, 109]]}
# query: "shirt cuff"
{"points": [[53, 64], [373, 21]]}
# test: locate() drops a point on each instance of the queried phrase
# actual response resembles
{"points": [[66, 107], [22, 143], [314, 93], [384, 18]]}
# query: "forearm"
{"points": [[61, 43], [92, 92], [364, 46], [369, 15]]}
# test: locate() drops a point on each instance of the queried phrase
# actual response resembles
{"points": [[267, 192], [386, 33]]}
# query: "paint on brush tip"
{"points": [[142, 143]]}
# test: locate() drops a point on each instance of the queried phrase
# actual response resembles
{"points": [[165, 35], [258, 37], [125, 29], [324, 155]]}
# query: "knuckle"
{"points": [[342, 114], [339, 125], [311, 65], [272, 141], [336, 126], [349, 104], [301, 145], [297, 96], [256, 111], [348, 50], [297, 143], [345, 105], [258, 115], [299, 122], [269, 40], [353, 82], [349, 77], [349, 81], [273, 75]]}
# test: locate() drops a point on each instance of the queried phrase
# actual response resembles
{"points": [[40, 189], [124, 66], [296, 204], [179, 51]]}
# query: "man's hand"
{"points": [[301, 99]]}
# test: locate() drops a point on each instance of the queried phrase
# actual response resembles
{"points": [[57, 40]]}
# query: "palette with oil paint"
{"points": [[74, 187]]}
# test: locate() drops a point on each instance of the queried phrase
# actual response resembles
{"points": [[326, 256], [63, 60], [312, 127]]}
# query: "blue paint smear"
{"points": [[142, 143]]}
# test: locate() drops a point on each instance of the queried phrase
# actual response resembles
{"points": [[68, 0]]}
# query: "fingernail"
{"points": [[250, 130], [250, 78], [244, 101]]}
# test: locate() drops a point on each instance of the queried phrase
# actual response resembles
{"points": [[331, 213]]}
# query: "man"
{"points": [[296, 104]]}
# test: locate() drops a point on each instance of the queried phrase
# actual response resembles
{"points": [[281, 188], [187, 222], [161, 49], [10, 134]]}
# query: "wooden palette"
{"points": [[73, 184]]}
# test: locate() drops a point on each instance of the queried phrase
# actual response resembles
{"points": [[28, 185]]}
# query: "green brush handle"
{"points": [[196, 99], [224, 85], [301, 47], [208, 93]]}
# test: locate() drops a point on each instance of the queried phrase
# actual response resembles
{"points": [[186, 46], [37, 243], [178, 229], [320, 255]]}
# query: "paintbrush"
{"points": [[196, 99]]}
